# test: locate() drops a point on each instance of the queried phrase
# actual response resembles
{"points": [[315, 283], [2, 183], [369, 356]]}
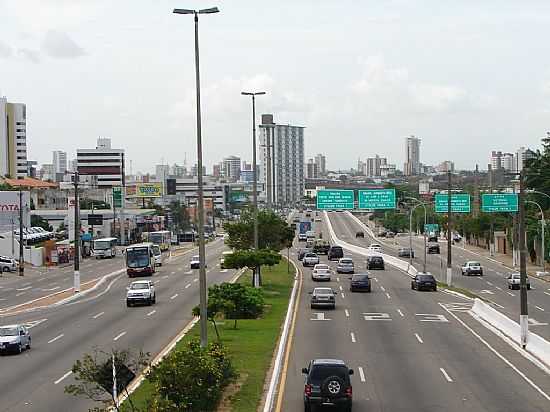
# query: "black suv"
{"points": [[424, 281], [335, 253], [375, 262], [359, 234], [327, 384]]}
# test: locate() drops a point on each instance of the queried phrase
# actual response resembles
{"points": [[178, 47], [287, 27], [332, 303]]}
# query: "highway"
{"points": [[491, 286], [61, 335], [410, 350]]}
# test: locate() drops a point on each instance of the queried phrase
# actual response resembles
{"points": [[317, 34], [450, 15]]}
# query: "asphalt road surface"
{"points": [[35, 379], [410, 350]]}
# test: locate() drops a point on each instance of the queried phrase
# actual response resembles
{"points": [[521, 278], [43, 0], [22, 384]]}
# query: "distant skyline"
{"points": [[466, 77]]}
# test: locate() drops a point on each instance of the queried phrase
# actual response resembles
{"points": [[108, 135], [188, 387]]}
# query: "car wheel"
{"points": [[312, 306], [128, 304], [435, 288], [528, 287], [369, 290], [412, 286], [19, 348], [29, 344], [154, 299]]}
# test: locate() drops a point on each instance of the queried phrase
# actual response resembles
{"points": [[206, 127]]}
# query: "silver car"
{"points": [[7, 264], [345, 265], [14, 338], [310, 259], [141, 291], [321, 272], [323, 297]]}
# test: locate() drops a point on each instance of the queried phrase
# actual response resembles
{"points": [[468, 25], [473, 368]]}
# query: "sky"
{"points": [[467, 77]]}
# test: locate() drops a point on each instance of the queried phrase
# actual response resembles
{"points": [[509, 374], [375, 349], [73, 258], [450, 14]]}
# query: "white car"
{"points": [[472, 268], [375, 247], [310, 259], [514, 281], [141, 291], [14, 338], [321, 272], [7, 264], [195, 262], [158, 255]]}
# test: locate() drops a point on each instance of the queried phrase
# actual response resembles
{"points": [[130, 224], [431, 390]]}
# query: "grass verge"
{"points": [[459, 290], [251, 345]]}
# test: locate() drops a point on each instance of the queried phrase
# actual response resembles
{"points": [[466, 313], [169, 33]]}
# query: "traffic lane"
{"points": [[492, 286], [457, 354], [85, 329]]}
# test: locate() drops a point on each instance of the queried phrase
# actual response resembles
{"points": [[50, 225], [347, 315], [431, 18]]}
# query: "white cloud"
{"points": [[59, 45], [5, 50], [29, 54]]}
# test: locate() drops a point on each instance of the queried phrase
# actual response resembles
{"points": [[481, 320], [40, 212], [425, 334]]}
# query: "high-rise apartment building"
{"points": [[103, 165], [373, 166], [60, 161], [321, 162], [521, 156], [500, 160], [13, 139], [282, 161], [231, 166], [312, 169], [412, 156], [446, 166]]}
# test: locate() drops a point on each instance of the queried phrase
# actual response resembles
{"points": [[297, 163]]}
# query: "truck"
{"points": [[321, 247], [305, 226]]}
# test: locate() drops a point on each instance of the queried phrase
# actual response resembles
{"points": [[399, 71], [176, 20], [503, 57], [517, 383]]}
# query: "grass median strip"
{"points": [[251, 345]]}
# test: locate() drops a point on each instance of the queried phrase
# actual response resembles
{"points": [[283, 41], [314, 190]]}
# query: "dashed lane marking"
{"points": [[120, 335], [418, 338], [151, 313], [63, 377], [382, 288], [56, 338], [188, 286], [361, 374], [174, 296], [346, 312], [539, 308], [196, 280], [352, 335], [401, 313], [388, 295], [446, 375], [98, 315], [510, 293]]}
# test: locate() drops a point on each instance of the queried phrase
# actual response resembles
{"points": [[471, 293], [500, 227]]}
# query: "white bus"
{"points": [[104, 247], [140, 260]]}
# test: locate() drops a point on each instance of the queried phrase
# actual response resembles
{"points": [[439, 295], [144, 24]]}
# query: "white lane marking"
{"points": [[337, 279], [401, 313], [383, 289], [172, 273], [223, 271], [376, 316], [510, 293], [120, 335], [63, 377], [376, 280], [23, 289], [341, 288], [20, 294], [189, 272], [539, 308], [546, 293], [98, 315], [50, 289], [431, 317], [56, 338], [196, 280], [343, 296], [498, 288], [489, 283], [506, 361], [418, 338], [174, 297], [165, 277], [347, 313], [319, 316], [352, 337], [34, 323], [446, 375], [151, 313], [361, 374], [388, 295]]}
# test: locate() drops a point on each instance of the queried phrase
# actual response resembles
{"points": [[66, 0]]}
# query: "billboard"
{"points": [[9, 210], [148, 189]]}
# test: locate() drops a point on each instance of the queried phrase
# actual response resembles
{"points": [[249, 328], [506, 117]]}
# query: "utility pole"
{"points": [[21, 257], [523, 317], [492, 248], [76, 237], [449, 231]]}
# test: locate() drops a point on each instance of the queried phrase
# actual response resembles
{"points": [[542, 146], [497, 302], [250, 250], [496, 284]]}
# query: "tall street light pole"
{"points": [[424, 231], [76, 277], [523, 317], [200, 197], [449, 231]]}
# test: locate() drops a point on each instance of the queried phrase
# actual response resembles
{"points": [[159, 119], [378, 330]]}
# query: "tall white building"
{"points": [[231, 168], [521, 156], [162, 172], [103, 165], [13, 139], [321, 162], [286, 154], [412, 156], [373, 166], [312, 169], [59, 161]]}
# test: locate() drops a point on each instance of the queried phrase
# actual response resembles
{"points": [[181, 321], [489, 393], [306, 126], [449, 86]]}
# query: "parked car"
{"points": [[472, 268], [375, 262], [390, 235], [360, 282], [359, 234], [7, 264], [141, 291], [514, 281], [375, 247], [345, 265], [323, 297], [310, 259], [405, 252], [321, 272], [14, 338], [327, 384], [433, 248], [424, 281], [335, 252], [457, 237], [194, 263]]}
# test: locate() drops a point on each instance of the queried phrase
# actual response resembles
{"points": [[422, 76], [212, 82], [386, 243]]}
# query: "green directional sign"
{"points": [[117, 196], [431, 228], [377, 199], [335, 199], [460, 203], [499, 202]]}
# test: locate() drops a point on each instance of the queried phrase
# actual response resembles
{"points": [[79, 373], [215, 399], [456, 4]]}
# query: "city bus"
{"points": [[140, 260], [104, 247], [163, 238]]}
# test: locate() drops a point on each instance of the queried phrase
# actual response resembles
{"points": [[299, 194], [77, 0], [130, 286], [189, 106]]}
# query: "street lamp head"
{"points": [[252, 93], [209, 11], [184, 11]]}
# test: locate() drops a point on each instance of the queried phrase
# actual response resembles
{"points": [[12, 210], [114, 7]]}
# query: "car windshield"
{"points": [[155, 237], [376, 259], [311, 255], [360, 277], [102, 244], [475, 264], [425, 277], [137, 257], [8, 332], [320, 373], [140, 285], [156, 250], [346, 261], [195, 259], [321, 267], [323, 291]]}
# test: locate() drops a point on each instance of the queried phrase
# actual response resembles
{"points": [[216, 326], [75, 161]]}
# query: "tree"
{"points": [[94, 376], [40, 222], [537, 169], [251, 259], [86, 204], [180, 215], [273, 232]]}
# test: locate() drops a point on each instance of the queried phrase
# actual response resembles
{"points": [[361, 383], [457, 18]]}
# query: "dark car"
{"points": [[321, 246], [302, 252], [360, 282], [424, 281], [405, 252], [375, 262], [432, 238], [327, 383], [433, 248], [359, 234], [335, 253]]}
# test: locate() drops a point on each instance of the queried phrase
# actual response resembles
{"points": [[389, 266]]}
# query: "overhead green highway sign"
{"points": [[460, 203], [377, 199], [335, 199], [499, 202], [431, 228]]}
